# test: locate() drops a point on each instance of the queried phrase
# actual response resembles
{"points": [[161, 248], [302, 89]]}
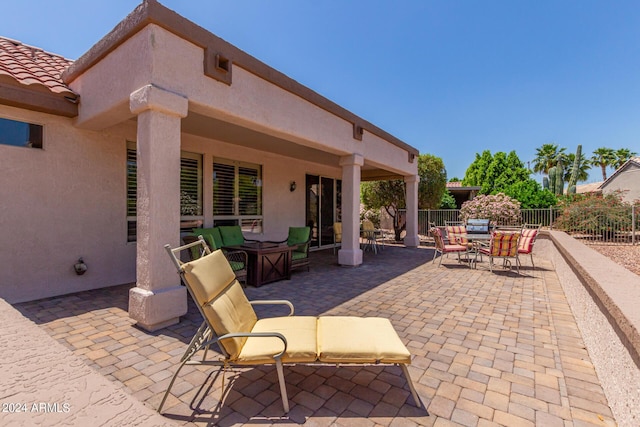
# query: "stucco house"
{"points": [[161, 126], [626, 180]]}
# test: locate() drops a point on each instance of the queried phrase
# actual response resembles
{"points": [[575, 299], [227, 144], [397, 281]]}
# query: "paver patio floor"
{"points": [[488, 349]]}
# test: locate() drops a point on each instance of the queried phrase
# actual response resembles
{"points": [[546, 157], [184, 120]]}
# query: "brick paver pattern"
{"points": [[488, 349]]}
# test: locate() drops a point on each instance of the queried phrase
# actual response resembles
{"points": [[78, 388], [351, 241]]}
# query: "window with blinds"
{"points": [[237, 193], [190, 190], [190, 184]]}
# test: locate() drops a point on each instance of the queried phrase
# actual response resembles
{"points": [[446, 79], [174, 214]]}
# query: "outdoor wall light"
{"points": [[80, 267], [292, 186]]}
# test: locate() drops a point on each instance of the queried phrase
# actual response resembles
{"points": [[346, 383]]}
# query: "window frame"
{"points": [[31, 127], [250, 222], [187, 222]]}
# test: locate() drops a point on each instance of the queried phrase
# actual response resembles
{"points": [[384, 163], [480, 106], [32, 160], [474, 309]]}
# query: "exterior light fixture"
{"points": [[80, 267], [292, 186]]}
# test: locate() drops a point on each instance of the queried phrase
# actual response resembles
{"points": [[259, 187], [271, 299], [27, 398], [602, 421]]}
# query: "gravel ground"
{"points": [[625, 255]]}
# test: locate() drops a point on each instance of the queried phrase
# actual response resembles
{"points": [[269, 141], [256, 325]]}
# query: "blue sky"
{"points": [[451, 78]]}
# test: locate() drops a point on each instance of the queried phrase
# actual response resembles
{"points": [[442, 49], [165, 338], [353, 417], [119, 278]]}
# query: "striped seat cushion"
{"points": [[502, 245], [526, 241], [457, 234]]}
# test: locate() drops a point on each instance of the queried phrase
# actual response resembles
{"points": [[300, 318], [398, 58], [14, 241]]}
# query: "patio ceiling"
{"points": [[213, 128]]}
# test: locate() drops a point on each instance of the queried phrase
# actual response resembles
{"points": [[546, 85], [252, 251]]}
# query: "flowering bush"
{"points": [[594, 214], [499, 208]]}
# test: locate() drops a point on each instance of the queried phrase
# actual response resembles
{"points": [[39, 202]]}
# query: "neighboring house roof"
{"points": [[593, 187], [30, 65], [457, 185], [32, 78], [634, 161]]}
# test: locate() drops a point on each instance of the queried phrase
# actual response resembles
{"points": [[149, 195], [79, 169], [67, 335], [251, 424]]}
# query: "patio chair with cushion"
{"points": [[238, 260], [231, 323], [370, 234], [527, 239], [456, 233], [444, 248], [337, 235], [299, 239], [503, 244]]}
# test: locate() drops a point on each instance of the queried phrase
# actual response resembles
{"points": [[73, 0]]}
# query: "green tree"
{"points": [[603, 157], [546, 157], [531, 195], [387, 195], [495, 173], [433, 181], [448, 201], [390, 195], [476, 172], [622, 155]]}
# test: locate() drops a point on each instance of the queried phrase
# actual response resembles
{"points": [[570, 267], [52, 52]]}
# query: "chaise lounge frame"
{"points": [[222, 303]]}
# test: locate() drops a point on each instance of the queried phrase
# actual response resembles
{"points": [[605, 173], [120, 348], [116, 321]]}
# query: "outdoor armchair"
{"points": [[456, 233], [337, 235], [299, 239], [231, 323], [238, 260], [503, 244], [527, 240], [444, 248]]}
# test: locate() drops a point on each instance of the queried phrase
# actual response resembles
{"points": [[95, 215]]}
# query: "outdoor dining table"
{"points": [[475, 241]]}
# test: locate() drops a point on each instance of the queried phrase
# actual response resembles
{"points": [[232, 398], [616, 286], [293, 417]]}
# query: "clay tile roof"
{"points": [[30, 65], [454, 184]]}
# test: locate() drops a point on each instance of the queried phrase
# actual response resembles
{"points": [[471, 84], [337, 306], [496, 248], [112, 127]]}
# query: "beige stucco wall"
{"points": [[68, 201], [58, 204], [627, 181]]}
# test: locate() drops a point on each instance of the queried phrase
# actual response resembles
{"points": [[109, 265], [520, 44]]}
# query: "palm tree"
{"points": [[546, 157], [622, 155], [583, 166], [603, 157]]}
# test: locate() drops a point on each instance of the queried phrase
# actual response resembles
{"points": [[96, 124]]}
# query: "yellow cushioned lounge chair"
{"points": [[244, 340]]}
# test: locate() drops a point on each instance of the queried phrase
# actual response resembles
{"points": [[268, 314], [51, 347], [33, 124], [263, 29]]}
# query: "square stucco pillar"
{"points": [[411, 239], [350, 253], [158, 300]]}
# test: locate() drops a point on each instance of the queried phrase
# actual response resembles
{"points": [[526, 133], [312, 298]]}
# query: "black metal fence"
{"points": [[615, 225]]}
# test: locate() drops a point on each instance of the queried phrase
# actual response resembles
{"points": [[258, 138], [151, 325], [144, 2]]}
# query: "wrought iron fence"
{"points": [[614, 225]]}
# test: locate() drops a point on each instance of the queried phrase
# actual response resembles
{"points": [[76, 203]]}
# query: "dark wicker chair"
{"points": [[238, 260]]}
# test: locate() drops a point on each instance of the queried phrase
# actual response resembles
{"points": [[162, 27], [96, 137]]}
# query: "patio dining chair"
{"points": [[527, 240], [370, 234], [231, 323], [503, 244], [456, 233], [337, 235], [444, 248]]}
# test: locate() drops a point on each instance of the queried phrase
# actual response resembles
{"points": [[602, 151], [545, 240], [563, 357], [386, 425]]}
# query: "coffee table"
{"points": [[268, 262]]}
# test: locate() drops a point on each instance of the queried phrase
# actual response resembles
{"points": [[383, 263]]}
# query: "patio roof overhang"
{"points": [[225, 64]]}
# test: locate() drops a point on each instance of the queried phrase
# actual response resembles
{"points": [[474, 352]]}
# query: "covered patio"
{"points": [[488, 349]]}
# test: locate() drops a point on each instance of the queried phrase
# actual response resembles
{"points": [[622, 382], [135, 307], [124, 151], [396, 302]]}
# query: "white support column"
{"points": [[350, 253], [158, 300], [411, 239]]}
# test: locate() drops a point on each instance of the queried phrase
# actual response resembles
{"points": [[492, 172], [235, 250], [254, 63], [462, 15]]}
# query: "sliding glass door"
{"points": [[324, 200]]}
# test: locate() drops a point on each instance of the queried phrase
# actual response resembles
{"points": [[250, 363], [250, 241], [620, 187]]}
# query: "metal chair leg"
{"points": [[283, 388], [414, 393]]}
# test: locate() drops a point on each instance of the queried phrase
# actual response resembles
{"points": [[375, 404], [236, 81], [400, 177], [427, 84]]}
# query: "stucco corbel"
{"points": [[154, 98]]}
